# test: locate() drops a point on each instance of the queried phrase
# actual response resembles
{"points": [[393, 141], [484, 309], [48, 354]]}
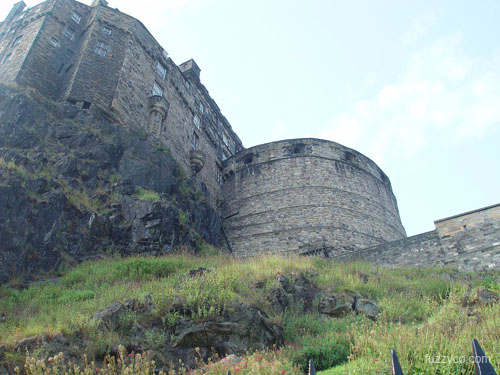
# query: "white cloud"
{"points": [[420, 27], [443, 95]]}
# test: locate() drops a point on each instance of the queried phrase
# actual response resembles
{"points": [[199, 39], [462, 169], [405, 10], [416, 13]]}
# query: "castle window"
{"points": [[76, 17], [6, 58], [349, 156], [186, 83], [69, 33], [195, 141], [165, 54], [197, 121], [218, 175], [225, 154], [298, 148], [157, 90], [86, 105], [107, 30], [53, 42], [161, 70], [248, 158], [202, 107], [101, 49], [17, 41]]}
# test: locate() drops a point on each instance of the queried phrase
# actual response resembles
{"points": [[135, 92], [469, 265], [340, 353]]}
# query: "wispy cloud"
{"points": [[443, 95], [420, 27]]}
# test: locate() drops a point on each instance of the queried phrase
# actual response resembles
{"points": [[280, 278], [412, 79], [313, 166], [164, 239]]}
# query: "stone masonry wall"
{"points": [[469, 242], [297, 195], [17, 36]]}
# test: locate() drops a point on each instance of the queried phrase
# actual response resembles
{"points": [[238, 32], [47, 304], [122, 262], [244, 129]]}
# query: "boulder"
{"points": [[336, 306], [366, 307], [484, 296], [294, 291], [110, 315], [27, 343], [242, 328]]}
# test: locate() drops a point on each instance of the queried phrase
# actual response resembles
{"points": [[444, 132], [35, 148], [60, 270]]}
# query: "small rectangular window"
{"points": [[157, 90], [17, 41], [101, 49], [6, 58], [76, 17], [53, 41], [197, 121], [225, 154], [69, 33], [165, 54], [107, 30], [195, 141], [202, 107], [161, 70]]}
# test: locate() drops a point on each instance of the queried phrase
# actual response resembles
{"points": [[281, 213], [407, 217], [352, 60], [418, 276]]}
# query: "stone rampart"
{"points": [[302, 194], [469, 242]]}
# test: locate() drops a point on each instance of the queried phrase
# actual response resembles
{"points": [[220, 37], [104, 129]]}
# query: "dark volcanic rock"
{"points": [[295, 292], [241, 329], [67, 184]]}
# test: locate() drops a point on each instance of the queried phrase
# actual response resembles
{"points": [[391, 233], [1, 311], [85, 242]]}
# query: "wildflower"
{"points": [[130, 355], [283, 371]]}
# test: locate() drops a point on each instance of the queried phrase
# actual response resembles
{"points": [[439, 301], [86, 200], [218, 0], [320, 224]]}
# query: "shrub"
{"points": [[326, 351]]}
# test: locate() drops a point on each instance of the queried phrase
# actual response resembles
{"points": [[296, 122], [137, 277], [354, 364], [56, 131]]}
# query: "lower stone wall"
{"points": [[471, 248]]}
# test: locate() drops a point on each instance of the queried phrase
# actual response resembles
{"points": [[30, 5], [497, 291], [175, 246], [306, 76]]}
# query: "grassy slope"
{"points": [[421, 313]]}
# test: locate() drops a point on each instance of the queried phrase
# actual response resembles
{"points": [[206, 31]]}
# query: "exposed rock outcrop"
{"points": [[73, 184], [342, 304]]}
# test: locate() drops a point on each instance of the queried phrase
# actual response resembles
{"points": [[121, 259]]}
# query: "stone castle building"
{"points": [[306, 196], [98, 56]]}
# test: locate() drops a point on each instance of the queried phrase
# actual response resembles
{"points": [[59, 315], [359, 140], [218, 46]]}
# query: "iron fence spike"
{"points": [[396, 367], [482, 365]]}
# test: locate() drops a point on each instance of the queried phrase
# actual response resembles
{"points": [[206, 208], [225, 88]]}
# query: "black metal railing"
{"points": [[482, 365]]}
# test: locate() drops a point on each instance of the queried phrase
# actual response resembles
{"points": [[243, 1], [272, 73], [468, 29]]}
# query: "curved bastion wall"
{"points": [[303, 195]]}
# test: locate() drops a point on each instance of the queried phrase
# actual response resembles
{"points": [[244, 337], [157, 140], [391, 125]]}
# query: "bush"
{"points": [[326, 351]]}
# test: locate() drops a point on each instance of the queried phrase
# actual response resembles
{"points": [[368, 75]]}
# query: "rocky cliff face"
{"points": [[75, 184]]}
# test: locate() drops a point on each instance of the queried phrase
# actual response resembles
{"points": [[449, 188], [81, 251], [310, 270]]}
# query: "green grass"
{"points": [[421, 312], [146, 195]]}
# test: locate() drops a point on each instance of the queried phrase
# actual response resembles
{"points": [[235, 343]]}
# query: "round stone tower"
{"points": [[307, 196]]}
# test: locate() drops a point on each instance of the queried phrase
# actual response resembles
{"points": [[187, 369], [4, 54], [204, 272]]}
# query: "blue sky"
{"points": [[414, 85]]}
